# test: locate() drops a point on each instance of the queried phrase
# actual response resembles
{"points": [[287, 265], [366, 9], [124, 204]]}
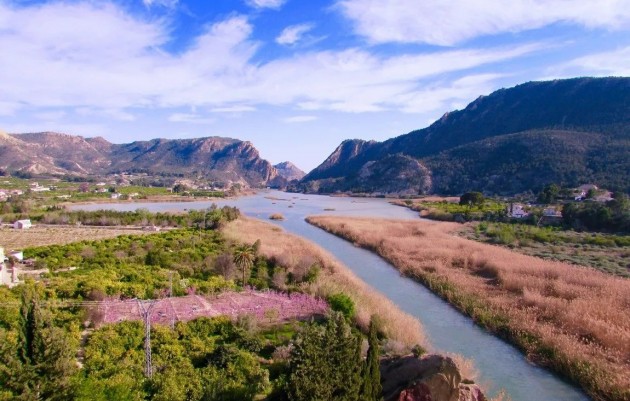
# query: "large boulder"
{"points": [[429, 378]]}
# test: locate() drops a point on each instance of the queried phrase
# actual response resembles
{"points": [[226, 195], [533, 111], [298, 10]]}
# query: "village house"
{"points": [[516, 211], [22, 224], [581, 191], [115, 195]]}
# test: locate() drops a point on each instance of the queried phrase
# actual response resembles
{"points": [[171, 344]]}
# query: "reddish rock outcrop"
{"points": [[430, 378]]}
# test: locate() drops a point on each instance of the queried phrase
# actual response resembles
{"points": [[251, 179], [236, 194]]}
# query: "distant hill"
{"points": [[565, 131], [289, 171], [219, 159]]}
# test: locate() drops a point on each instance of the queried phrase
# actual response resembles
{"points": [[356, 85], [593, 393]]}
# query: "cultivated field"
{"points": [[267, 307], [571, 319], [291, 251], [49, 235]]}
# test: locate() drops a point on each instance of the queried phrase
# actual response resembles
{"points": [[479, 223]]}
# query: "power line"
{"points": [[146, 316]]}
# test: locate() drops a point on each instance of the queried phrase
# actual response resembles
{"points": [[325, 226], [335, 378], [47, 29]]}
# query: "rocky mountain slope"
{"points": [[219, 159], [565, 131], [289, 171]]}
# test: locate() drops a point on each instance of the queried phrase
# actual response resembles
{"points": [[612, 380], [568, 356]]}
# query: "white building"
{"points": [[22, 224], [516, 211]]}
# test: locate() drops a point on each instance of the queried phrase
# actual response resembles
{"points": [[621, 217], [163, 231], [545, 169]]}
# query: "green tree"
{"points": [[472, 198], [244, 257], [42, 363], [549, 194], [342, 303], [326, 363], [371, 388]]}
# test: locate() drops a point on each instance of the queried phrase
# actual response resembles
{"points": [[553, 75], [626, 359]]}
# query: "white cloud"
{"points": [[449, 22], [449, 96], [612, 63], [190, 118], [275, 4], [293, 34], [299, 119], [163, 3], [105, 73], [233, 109]]}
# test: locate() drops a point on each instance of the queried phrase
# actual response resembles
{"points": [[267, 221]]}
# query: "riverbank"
{"points": [[574, 321], [335, 278]]}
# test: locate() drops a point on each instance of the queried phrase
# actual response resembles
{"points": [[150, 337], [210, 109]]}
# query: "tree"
{"points": [[326, 363], [84, 187], [180, 188], [244, 257], [371, 388], [548, 194], [471, 198], [42, 362]]}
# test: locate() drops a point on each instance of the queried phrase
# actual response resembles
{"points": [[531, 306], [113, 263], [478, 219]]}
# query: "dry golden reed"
{"points": [[575, 320]]}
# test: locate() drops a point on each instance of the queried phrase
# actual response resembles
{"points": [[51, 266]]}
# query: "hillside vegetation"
{"points": [[565, 131]]}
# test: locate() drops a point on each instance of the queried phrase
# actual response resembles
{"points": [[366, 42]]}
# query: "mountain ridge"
{"points": [[594, 110], [216, 158]]}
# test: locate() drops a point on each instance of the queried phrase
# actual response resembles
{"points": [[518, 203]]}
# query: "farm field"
{"points": [[573, 320], [267, 307], [40, 235]]}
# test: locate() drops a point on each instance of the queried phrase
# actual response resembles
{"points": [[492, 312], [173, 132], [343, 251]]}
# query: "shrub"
{"points": [[342, 303]]}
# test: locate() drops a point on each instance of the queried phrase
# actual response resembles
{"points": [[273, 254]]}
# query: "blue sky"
{"points": [[295, 77]]}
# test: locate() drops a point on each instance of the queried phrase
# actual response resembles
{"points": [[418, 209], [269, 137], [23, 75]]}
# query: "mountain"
{"points": [[564, 131], [218, 159], [289, 171]]}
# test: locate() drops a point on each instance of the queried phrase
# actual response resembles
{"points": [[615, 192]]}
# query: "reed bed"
{"points": [[573, 320], [276, 244]]}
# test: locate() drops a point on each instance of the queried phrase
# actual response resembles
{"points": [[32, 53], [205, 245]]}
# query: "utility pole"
{"points": [[170, 301], [146, 316]]}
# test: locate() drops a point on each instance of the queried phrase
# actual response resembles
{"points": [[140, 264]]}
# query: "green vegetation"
{"points": [[613, 215], [326, 364], [470, 207], [606, 252], [217, 358], [343, 304], [211, 218]]}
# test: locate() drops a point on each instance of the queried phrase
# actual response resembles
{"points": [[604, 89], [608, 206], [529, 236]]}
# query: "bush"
{"points": [[343, 304]]}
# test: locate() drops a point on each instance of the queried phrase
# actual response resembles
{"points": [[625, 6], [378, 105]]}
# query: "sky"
{"points": [[294, 77]]}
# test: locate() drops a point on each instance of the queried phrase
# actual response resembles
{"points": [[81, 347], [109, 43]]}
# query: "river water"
{"points": [[500, 365]]}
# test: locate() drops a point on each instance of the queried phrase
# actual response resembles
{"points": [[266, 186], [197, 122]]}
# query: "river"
{"points": [[500, 365]]}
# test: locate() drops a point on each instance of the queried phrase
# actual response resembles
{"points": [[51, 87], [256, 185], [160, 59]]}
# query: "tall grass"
{"points": [[573, 320], [277, 244]]}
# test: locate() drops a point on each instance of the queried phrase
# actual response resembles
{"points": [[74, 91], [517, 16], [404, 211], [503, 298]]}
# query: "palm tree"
{"points": [[244, 257]]}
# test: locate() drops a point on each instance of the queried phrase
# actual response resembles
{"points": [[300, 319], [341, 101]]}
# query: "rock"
{"points": [[429, 378], [471, 392], [417, 392]]}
